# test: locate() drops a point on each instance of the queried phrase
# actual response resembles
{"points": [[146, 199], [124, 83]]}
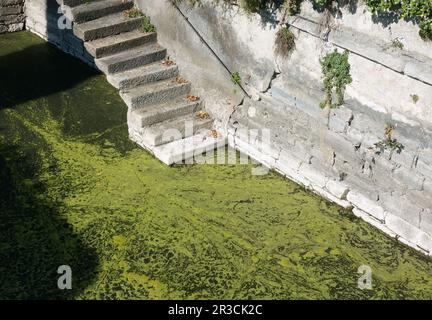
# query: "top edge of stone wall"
{"points": [[359, 17], [355, 29]]}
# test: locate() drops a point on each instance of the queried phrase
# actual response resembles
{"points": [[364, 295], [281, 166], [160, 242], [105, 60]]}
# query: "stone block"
{"points": [[365, 204], [314, 176], [422, 198], [6, 3], [340, 119], [12, 10], [338, 189], [409, 232], [11, 15], [426, 221], [421, 70], [401, 206]]}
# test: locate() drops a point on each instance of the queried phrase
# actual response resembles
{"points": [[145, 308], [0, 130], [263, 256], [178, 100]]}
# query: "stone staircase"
{"points": [[163, 116]]}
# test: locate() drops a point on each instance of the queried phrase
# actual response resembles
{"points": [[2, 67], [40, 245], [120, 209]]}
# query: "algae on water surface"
{"points": [[76, 191]]}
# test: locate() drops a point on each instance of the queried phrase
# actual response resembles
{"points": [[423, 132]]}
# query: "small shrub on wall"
{"points": [[285, 41], [389, 143], [291, 7], [336, 73]]}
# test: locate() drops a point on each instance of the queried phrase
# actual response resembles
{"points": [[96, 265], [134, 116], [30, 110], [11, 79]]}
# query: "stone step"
{"points": [[181, 150], [106, 26], [74, 3], [131, 59], [164, 111], [175, 129], [155, 92], [120, 42], [94, 10], [155, 71]]}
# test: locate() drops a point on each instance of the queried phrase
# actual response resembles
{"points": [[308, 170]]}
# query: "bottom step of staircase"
{"points": [[177, 152]]}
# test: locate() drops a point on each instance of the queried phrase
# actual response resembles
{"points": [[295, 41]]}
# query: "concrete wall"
{"points": [[330, 151], [11, 15], [44, 18]]}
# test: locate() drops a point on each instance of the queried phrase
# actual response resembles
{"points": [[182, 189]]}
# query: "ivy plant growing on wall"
{"points": [[419, 11], [336, 76], [291, 7]]}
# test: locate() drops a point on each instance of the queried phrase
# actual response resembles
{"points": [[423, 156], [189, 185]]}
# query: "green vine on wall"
{"points": [[389, 143], [419, 11], [336, 72]]}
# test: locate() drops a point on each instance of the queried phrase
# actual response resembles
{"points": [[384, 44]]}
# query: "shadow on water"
{"points": [[37, 71], [33, 70], [34, 239]]}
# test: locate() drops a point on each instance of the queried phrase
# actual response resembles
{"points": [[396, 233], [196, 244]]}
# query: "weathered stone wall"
{"points": [[332, 152], [12, 16], [44, 18]]}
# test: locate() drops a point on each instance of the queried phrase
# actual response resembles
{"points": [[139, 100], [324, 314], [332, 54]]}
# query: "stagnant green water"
{"points": [[76, 191]]}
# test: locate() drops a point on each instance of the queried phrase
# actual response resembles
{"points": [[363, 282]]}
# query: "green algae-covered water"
{"points": [[75, 191]]}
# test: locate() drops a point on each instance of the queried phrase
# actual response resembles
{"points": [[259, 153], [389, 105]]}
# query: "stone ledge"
{"points": [[20, 18], [366, 205], [412, 64], [423, 242], [293, 157], [390, 224], [12, 10]]}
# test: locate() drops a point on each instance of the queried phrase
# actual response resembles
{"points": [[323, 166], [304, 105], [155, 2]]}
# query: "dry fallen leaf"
{"points": [[180, 80], [192, 98], [214, 133], [202, 115], [168, 62]]}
